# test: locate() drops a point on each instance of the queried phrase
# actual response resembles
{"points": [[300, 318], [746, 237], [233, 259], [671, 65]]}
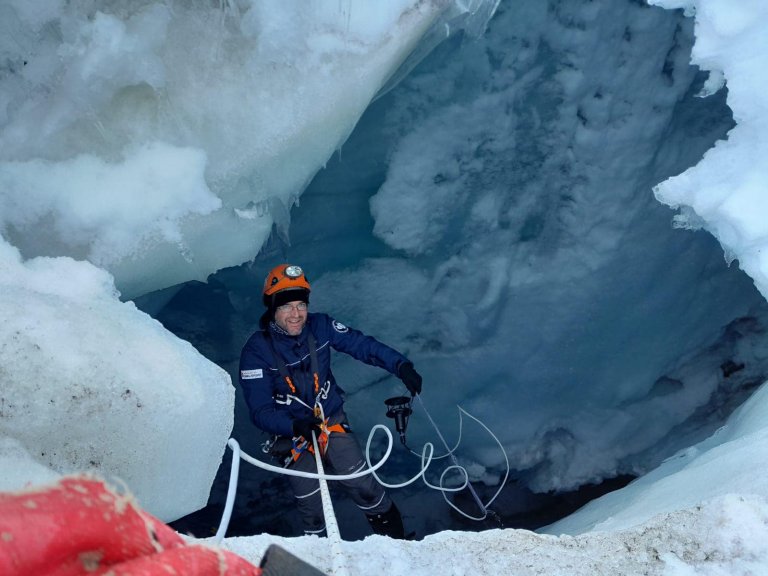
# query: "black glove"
{"points": [[305, 427], [410, 378]]}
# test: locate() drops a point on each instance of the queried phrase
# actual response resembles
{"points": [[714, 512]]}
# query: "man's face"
{"points": [[291, 317]]}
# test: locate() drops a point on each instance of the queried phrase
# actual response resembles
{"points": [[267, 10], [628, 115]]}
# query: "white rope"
{"points": [[231, 490], [428, 447], [331, 526], [238, 454], [426, 458], [483, 506], [288, 472]]}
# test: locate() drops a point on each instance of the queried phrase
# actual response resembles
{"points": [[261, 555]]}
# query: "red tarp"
{"points": [[79, 526]]}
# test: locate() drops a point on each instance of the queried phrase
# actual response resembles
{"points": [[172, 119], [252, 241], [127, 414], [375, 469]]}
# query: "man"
{"points": [[286, 378]]}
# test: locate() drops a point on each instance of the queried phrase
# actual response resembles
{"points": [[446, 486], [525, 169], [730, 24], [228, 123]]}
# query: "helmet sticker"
{"points": [[339, 327]]}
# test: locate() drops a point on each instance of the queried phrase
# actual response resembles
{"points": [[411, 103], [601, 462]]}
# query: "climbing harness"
{"points": [[300, 444]]}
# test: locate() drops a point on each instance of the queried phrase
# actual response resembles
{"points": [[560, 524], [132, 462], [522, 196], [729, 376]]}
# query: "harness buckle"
{"points": [[322, 440]]}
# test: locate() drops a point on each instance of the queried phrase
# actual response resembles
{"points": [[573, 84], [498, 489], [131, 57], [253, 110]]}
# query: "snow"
{"points": [[723, 536], [515, 251], [207, 89], [82, 216], [725, 193], [93, 384]]}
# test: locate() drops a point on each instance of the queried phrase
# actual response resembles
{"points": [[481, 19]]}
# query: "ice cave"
{"points": [[488, 186]]}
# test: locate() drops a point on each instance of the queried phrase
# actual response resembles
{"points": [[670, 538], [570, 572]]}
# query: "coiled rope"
{"points": [[427, 455]]}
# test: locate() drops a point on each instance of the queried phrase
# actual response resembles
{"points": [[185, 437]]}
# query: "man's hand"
{"points": [[305, 427], [410, 378]]}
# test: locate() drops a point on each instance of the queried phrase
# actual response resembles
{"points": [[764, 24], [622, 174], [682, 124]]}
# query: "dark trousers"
{"points": [[342, 456]]}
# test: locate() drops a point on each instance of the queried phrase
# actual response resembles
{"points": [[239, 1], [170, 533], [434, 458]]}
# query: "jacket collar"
{"points": [[273, 327]]}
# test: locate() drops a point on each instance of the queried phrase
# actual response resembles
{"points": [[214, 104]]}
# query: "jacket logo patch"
{"points": [[251, 374], [339, 327]]}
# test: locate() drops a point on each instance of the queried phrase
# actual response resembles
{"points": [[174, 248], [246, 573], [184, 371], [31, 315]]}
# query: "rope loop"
{"points": [[427, 456]]}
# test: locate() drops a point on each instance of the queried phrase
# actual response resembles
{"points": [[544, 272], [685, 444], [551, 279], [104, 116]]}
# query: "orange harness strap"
{"points": [[283, 368], [322, 441], [292, 386]]}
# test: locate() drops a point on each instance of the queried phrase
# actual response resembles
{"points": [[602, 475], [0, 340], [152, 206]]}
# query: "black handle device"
{"points": [[399, 408]]}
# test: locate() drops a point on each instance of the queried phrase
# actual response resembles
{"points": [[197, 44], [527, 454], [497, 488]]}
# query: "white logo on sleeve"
{"points": [[339, 327], [251, 374]]}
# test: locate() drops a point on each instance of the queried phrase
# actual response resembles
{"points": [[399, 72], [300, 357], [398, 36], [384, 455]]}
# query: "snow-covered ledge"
{"points": [[91, 384]]}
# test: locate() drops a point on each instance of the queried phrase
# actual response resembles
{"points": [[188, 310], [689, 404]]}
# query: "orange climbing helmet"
{"points": [[282, 278]]}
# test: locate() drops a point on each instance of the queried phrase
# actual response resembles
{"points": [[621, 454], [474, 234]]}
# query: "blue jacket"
{"points": [[267, 393]]}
